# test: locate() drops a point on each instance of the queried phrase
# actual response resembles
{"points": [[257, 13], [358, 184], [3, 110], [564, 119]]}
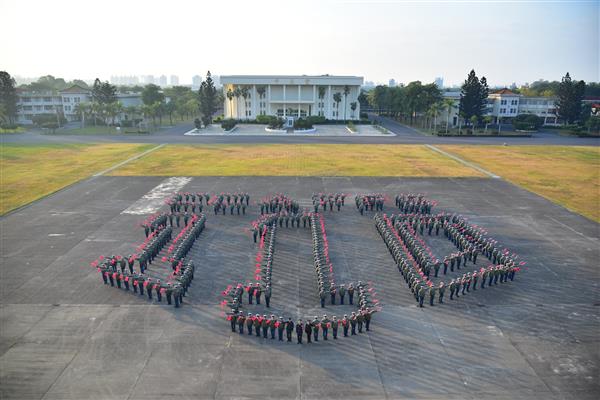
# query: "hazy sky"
{"points": [[507, 41]]}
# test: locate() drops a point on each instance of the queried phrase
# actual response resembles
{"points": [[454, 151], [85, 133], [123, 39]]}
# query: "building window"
{"points": [[27, 108], [503, 111], [76, 99], [38, 108], [514, 102], [513, 110], [280, 112], [67, 100], [26, 99], [48, 108]]}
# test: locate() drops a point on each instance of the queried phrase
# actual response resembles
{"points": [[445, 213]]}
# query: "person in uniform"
{"points": [[342, 292], [360, 319], [315, 326], [325, 326], [265, 326], [280, 325], [299, 331], [353, 322], [367, 314], [233, 320], [249, 323], [307, 330], [241, 319], [289, 328], [257, 324], [441, 290], [345, 324], [351, 294], [272, 326]]}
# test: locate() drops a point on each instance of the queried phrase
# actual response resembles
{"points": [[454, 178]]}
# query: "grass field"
{"points": [[297, 160], [569, 176], [30, 172]]}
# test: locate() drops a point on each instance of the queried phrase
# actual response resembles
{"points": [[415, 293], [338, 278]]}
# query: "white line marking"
{"points": [[460, 160], [128, 160], [155, 198], [56, 234], [572, 230]]}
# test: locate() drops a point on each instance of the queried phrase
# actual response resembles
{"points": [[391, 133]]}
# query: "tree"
{"points": [[487, 120], [169, 108], [473, 96], [230, 97], [353, 108], [207, 96], [103, 92], [448, 105], [570, 95], [337, 97], [346, 92], [152, 94], [474, 119], [8, 98], [245, 95], [82, 109], [435, 109], [237, 93]]}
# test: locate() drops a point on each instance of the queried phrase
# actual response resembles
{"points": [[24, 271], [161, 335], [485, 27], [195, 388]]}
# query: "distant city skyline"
{"points": [[506, 41]]}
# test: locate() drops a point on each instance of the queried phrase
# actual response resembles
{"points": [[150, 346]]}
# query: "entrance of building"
{"points": [[289, 122]]}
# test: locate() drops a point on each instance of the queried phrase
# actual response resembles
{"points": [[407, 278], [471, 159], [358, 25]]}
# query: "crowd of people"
{"points": [[374, 201], [272, 327], [321, 200], [414, 204], [277, 203], [322, 263], [237, 202], [121, 272], [415, 260]]}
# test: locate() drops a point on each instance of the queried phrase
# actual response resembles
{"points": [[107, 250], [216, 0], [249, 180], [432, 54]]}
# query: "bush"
{"points": [[276, 123], [9, 127], [265, 119], [228, 124], [42, 119], [316, 119], [198, 123], [218, 119], [364, 115], [351, 126], [527, 122], [302, 123]]}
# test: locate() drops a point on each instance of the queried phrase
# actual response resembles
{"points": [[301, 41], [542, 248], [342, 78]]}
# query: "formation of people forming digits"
{"points": [[170, 235]]}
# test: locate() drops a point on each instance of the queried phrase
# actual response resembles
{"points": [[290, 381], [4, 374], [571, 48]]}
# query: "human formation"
{"points": [[233, 202], [320, 201], [123, 273], [372, 201], [306, 331], [403, 233]]}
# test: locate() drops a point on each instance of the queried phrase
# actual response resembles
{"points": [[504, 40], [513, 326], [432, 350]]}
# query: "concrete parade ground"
{"points": [[66, 335]]}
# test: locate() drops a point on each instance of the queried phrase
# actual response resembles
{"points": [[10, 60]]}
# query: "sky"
{"points": [[506, 41]]}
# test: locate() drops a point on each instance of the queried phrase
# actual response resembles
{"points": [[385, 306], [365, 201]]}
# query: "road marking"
{"points": [[572, 230], [56, 234], [128, 160], [460, 160], [155, 198]]}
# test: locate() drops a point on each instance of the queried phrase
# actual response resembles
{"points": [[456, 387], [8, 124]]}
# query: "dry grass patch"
{"points": [[30, 172], [296, 160], [567, 175]]}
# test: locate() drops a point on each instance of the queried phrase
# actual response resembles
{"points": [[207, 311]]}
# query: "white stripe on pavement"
{"points": [[129, 160], [460, 160], [155, 198]]}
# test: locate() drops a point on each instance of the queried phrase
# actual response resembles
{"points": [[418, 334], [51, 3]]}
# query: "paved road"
{"points": [[404, 135], [64, 335]]}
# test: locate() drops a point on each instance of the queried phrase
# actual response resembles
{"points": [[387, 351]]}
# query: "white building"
{"points": [[174, 80], [505, 104], [64, 102], [295, 96]]}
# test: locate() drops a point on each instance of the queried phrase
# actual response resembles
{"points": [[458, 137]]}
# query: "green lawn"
{"points": [[297, 160], [28, 173], [567, 175]]}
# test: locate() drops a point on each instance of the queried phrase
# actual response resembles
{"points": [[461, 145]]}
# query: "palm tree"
{"points": [[337, 97], [346, 92], [261, 91], [448, 104], [230, 96], [245, 95], [237, 93], [353, 108], [82, 109], [488, 120], [322, 92], [435, 109], [131, 111]]}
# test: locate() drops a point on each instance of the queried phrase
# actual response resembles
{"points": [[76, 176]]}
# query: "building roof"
{"points": [[505, 91], [75, 89], [291, 79]]}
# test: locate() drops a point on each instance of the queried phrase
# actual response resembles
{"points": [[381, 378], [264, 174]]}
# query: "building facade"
{"points": [[504, 104], [291, 96], [31, 103]]}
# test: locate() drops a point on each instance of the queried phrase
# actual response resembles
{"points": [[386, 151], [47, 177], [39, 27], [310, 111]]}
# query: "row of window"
{"points": [[511, 111], [512, 102], [49, 99]]}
